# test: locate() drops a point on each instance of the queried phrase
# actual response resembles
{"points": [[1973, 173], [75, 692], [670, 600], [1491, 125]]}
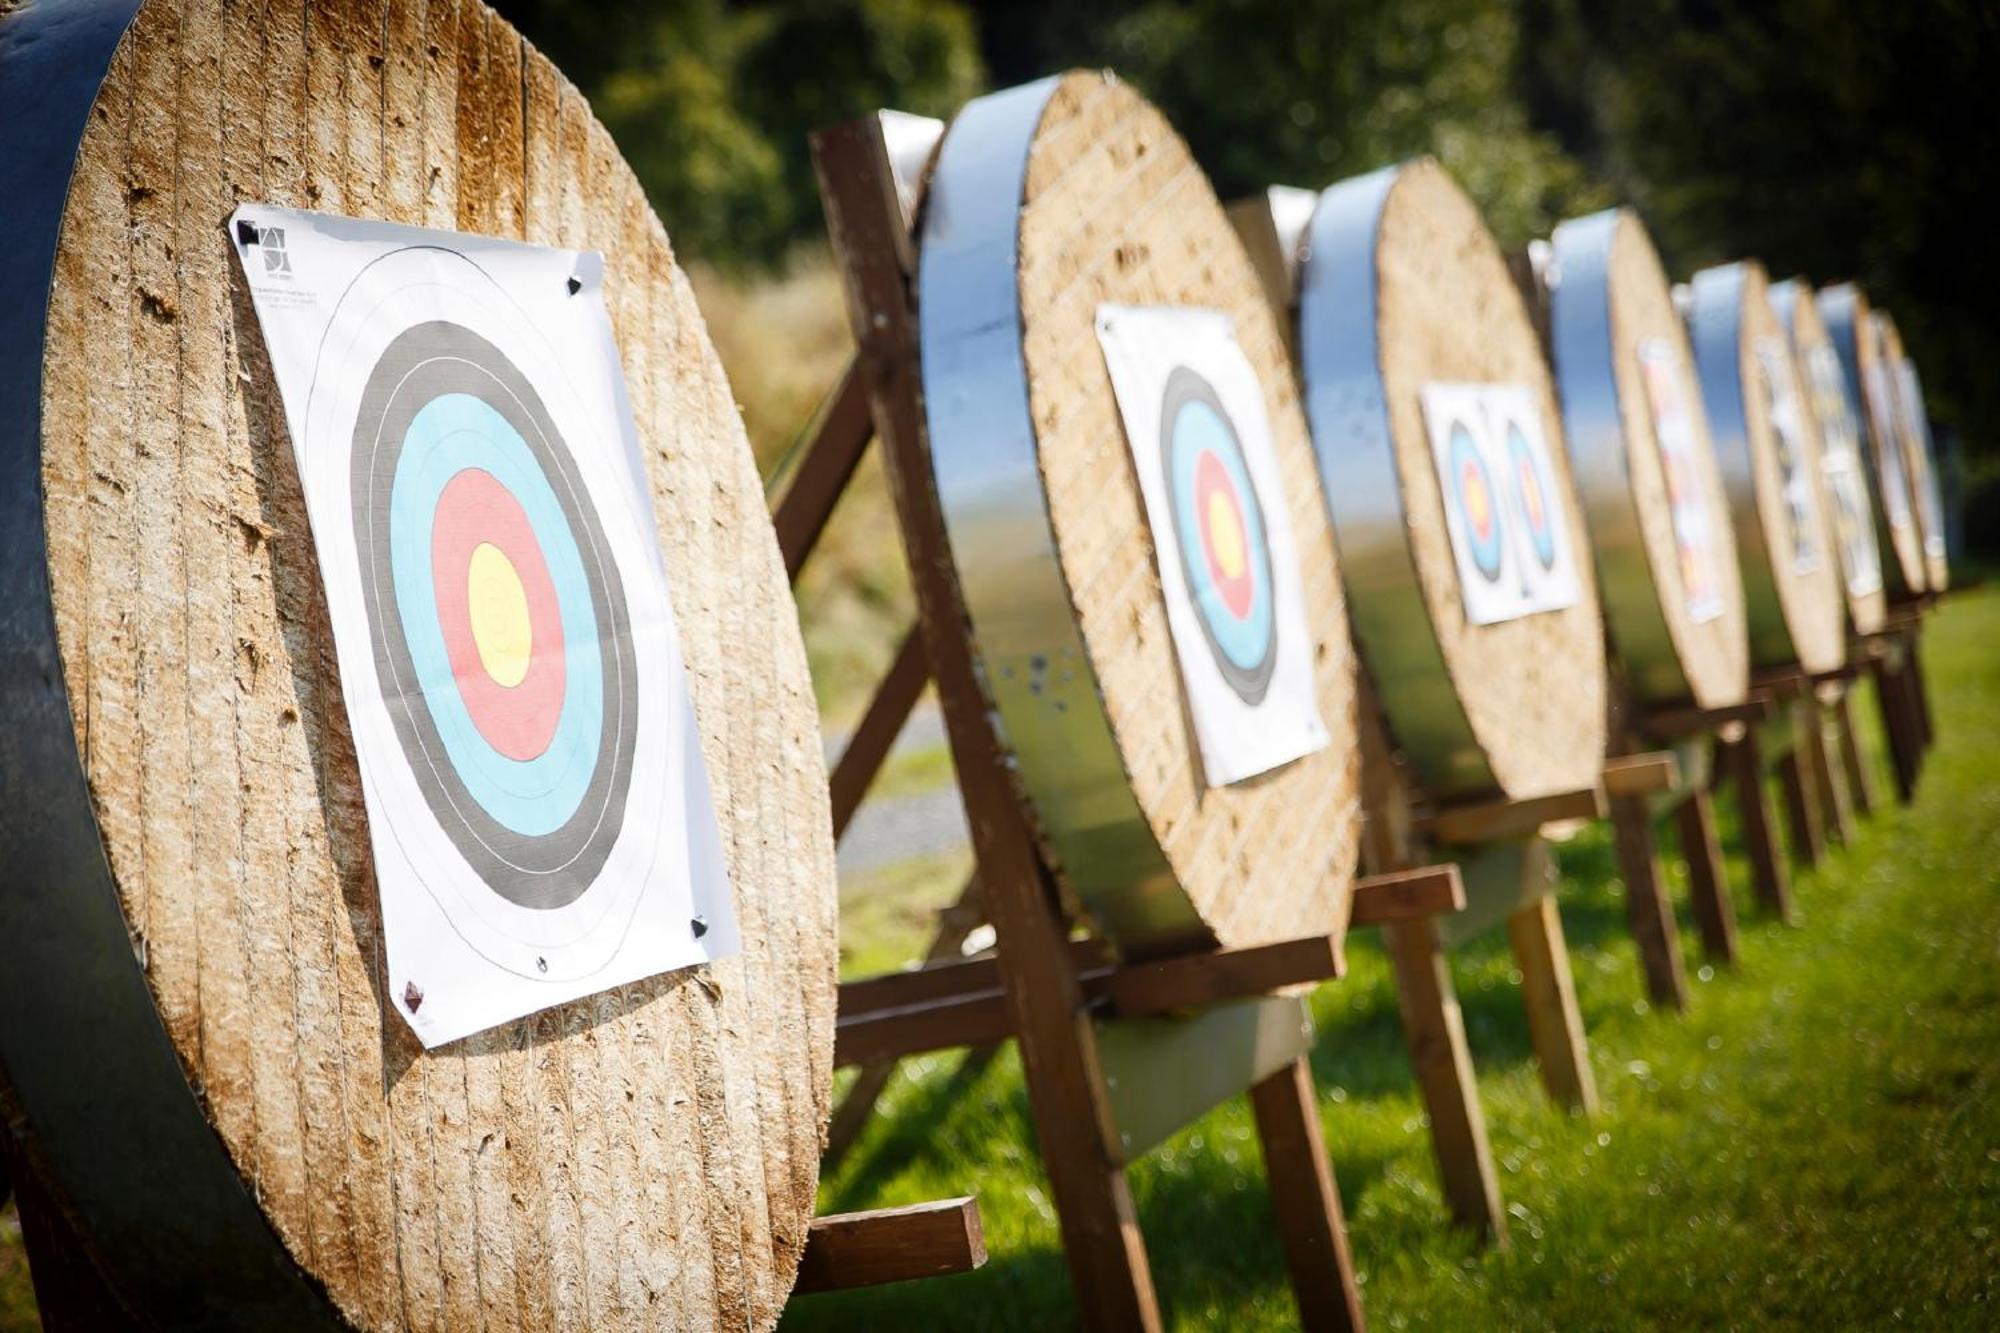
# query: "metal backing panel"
{"points": [[1340, 362], [1048, 710], [1587, 383], [1715, 327], [1161, 1074], [87, 1062]]}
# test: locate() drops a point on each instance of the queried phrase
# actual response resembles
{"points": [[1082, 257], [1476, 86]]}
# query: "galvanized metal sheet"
{"points": [[1579, 277], [1715, 327], [1048, 711]]}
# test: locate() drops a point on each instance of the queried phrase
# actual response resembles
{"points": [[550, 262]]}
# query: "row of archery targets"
{"points": [[1281, 570]]}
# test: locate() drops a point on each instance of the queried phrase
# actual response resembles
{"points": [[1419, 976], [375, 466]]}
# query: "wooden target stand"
{"points": [[1104, 1091], [1497, 841]]}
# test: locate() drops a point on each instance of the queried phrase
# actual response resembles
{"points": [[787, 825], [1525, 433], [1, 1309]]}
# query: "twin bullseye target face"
{"points": [[1494, 479], [538, 810], [1220, 526], [498, 615]]}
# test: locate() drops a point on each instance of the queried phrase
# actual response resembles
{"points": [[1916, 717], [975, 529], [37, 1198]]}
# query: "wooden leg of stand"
{"points": [[1555, 1025], [1860, 788], [1836, 820], [1306, 1201], [1801, 808], [1646, 905], [70, 1294], [1708, 888], [1768, 875], [1891, 697], [1435, 1030], [1920, 692]]}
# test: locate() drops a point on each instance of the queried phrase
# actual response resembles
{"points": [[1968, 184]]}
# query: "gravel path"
{"points": [[918, 824]]}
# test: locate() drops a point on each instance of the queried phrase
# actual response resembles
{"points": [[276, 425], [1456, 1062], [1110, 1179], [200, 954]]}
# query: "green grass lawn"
{"points": [[1816, 1144]]}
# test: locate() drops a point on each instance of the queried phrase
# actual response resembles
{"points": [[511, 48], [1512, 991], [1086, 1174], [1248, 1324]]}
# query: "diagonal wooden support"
{"points": [[1646, 905], [824, 471], [868, 748]]}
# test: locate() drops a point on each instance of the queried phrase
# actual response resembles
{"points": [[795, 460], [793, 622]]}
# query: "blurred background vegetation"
{"points": [[1835, 138]]}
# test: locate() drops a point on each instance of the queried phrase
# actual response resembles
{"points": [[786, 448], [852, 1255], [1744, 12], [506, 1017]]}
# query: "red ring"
{"points": [[1239, 590], [474, 509]]}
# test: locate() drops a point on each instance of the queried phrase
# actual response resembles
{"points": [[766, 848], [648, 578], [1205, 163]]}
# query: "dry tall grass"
{"points": [[784, 341]]}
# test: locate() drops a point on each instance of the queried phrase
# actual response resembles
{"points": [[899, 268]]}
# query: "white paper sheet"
{"points": [[1697, 526], [1917, 422], [1222, 537], [1840, 465], [1892, 470], [537, 802], [1780, 388], [1502, 512]]}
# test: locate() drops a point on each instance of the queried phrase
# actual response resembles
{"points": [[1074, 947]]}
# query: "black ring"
{"points": [[419, 365]]}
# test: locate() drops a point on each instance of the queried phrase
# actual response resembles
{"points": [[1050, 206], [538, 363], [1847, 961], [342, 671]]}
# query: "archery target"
{"points": [[506, 643], [1219, 527], [1200, 441], [1888, 454], [1500, 513], [1695, 523]]}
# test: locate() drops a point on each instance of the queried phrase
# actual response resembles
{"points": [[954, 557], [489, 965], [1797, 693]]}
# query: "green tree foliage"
{"points": [[1838, 138], [711, 102], [1279, 92]]}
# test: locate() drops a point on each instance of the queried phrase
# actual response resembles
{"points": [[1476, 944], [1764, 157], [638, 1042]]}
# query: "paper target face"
{"points": [[1696, 524], [1219, 526], [497, 614], [1535, 496], [1200, 441], [507, 650], [1477, 503], [1889, 463], [1785, 411], [1917, 423], [1497, 485]]}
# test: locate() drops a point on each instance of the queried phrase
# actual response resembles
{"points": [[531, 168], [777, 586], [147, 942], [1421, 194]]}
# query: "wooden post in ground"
{"points": [[1860, 787], [1305, 1200], [1714, 914], [1646, 904], [1743, 757], [1836, 812], [1795, 779], [1435, 1030], [1555, 1024], [1892, 698]]}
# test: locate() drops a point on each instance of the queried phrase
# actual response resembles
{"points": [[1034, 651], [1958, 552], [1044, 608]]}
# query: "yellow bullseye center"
{"points": [[1225, 535], [498, 606]]}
